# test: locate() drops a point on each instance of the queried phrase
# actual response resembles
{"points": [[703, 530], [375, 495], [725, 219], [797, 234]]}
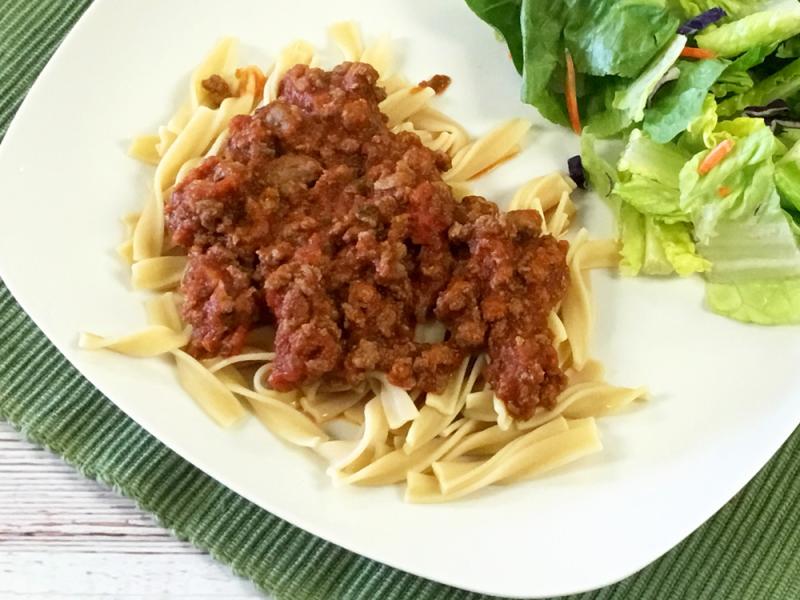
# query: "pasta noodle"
{"points": [[324, 407], [282, 419], [484, 153], [163, 310], [539, 451], [430, 119], [151, 341], [146, 149], [208, 391], [442, 445], [403, 103], [297, 53], [158, 273], [125, 249], [379, 55], [346, 36]]}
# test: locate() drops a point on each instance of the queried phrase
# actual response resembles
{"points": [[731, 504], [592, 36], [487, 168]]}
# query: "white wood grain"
{"points": [[65, 537]]}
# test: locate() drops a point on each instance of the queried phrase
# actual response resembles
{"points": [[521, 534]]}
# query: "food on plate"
{"points": [[321, 260], [689, 112]]}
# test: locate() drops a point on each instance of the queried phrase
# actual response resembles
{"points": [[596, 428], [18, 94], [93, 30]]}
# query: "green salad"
{"points": [[689, 115]]}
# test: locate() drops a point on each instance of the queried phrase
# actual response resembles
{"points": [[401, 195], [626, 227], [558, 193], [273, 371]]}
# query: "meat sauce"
{"points": [[316, 218], [217, 89], [438, 83]]}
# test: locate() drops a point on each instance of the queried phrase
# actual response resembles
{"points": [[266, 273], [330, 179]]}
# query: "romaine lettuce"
{"points": [[766, 302], [780, 85], [615, 38], [610, 43], [790, 48], [632, 100], [652, 247], [651, 198], [761, 28], [787, 178], [699, 133], [678, 103], [735, 188], [601, 173], [632, 236], [761, 246], [543, 57], [734, 8], [658, 162], [736, 78]]}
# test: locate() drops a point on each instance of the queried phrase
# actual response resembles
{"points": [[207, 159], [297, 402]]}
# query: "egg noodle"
{"points": [[443, 445]]}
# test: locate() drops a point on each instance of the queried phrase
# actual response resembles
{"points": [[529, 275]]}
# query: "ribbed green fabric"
{"points": [[750, 549]]}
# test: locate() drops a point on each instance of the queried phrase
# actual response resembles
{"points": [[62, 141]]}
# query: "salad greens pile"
{"points": [[703, 98]]}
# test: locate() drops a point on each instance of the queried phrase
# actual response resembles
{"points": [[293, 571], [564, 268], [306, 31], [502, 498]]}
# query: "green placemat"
{"points": [[750, 549]]}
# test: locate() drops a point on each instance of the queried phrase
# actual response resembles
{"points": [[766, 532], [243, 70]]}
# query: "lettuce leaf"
{"points": [[679, 249], [609, 122], [659, 162], [789, 137], [762, 246], [794, 222], [632, 236], [651, 198], [504, 16], [766, 302], [734, 8], [678, 103], [736, 78], [652, 247], [699, 133], [602, 175], [780, 85], [787, 178], [543, 56], [743, 232], [610, 42], [790, 48], [738, 128], [648, 178], [615, 38], [632, 100], [761, 28], [746, 174]]}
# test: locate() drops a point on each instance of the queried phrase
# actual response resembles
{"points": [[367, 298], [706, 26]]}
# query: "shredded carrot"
{"points": [[701, 53], [723, 191], [713, 158], [572, 95]]}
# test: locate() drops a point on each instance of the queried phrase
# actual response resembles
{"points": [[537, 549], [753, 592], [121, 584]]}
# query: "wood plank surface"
{"points": [[65, 537]]}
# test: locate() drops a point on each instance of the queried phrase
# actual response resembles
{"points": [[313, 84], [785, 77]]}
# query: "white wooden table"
{"points": [[65, 537]]}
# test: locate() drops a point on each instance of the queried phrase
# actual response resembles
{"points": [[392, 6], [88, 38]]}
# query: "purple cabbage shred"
{"points": [[777, 114], [701, 21], [774, 124], [576, 172], [776, 108]]}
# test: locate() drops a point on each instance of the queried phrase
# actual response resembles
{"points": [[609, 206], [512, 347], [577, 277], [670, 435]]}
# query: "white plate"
{"points": [[724, 394]]}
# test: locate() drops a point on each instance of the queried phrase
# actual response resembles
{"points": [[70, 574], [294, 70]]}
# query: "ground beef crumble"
{"points": [[217, 88]]}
